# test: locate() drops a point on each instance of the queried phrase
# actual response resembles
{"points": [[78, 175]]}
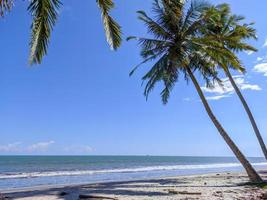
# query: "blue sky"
{"points": [[80, 100]]}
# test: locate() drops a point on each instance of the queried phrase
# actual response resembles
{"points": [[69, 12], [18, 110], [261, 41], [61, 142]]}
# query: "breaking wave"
{"points": [[125, 170]]}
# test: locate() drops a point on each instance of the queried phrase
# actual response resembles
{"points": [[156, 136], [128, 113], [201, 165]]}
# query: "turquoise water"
{"points": [[28, 171]]}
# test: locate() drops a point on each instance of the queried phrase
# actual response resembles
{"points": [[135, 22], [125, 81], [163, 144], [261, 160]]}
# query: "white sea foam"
{"points": [[126, 170]]}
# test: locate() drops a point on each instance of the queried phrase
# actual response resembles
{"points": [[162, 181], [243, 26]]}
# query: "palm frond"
{"points": [[169, 78], [151, 58], [153, 27], [151, 49], [168, 14], [194, 12], [5, 6], [173, 11], [45, 13], [222, 56], [112, 28], [155, 74], [226, 32]]}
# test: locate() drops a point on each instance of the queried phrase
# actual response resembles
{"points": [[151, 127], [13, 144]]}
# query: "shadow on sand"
{"points": [[132, 188]]}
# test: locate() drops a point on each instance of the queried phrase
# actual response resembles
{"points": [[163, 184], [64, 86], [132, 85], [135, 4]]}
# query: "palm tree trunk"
{"points": [[252, 174], [249, 113]]}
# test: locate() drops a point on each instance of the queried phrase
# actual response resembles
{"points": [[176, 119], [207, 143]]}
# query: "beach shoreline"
{"points": [[226, 185], [60, 186]]}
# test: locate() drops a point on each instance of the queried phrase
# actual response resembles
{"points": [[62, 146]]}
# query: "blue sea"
{"points": [[29, 171]]}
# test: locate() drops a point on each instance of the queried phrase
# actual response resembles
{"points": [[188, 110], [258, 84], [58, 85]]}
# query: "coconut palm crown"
{"points": [[178, 42], [229, 32]]}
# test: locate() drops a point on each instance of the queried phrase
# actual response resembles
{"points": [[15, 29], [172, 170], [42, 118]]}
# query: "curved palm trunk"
{"points": [[253, 175], [249, 113]]}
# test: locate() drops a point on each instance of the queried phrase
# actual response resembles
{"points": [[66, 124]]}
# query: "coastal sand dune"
{"points": [[198, 187]]}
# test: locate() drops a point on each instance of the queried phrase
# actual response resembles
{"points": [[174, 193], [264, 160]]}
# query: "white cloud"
{"points": [[44, 147], [249, 52], [187, 99], [259, 59], [40, 146], [12, 147], [87, 149], [265, 43], [250, 87], [218, 97], [261, 68], [78, 149], [227, 89], [217, 89]]}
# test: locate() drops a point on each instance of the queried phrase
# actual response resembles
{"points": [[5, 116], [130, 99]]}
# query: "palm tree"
{"points": [[45, 14], [178, 47], [229, 29]]}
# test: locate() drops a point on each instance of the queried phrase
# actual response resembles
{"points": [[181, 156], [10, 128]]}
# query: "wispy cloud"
{"points": [[259, 59], [78, 149], [265, 43], [219, 92], [12, 147], [249, 52], [187, 99], [18, 147], [218, 97], [45, 147], [261, 68], [40, 146]]}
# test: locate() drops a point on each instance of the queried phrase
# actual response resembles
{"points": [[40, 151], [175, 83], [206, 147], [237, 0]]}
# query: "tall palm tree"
{"points": [[230, 30], [45, 14], [178, 47]]}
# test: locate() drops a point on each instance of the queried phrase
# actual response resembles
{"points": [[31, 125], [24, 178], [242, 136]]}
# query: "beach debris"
{"points": [[230, 191], [218, 194], [190, 193], [63, 194], [184, 192], [85, 196], [264, 196], [172, 191], [2, 197]]}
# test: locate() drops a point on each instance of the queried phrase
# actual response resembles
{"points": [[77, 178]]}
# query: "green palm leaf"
{"points": [[45, 13], [112, 28], [5, 5], [194, 12], [153, 27]]}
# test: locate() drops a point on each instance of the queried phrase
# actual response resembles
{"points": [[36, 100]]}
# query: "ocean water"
{"points": [[29, 171]]}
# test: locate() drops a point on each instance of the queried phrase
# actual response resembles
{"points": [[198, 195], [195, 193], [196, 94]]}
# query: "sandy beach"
{"points": [[133, 100], [195, 187]]}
